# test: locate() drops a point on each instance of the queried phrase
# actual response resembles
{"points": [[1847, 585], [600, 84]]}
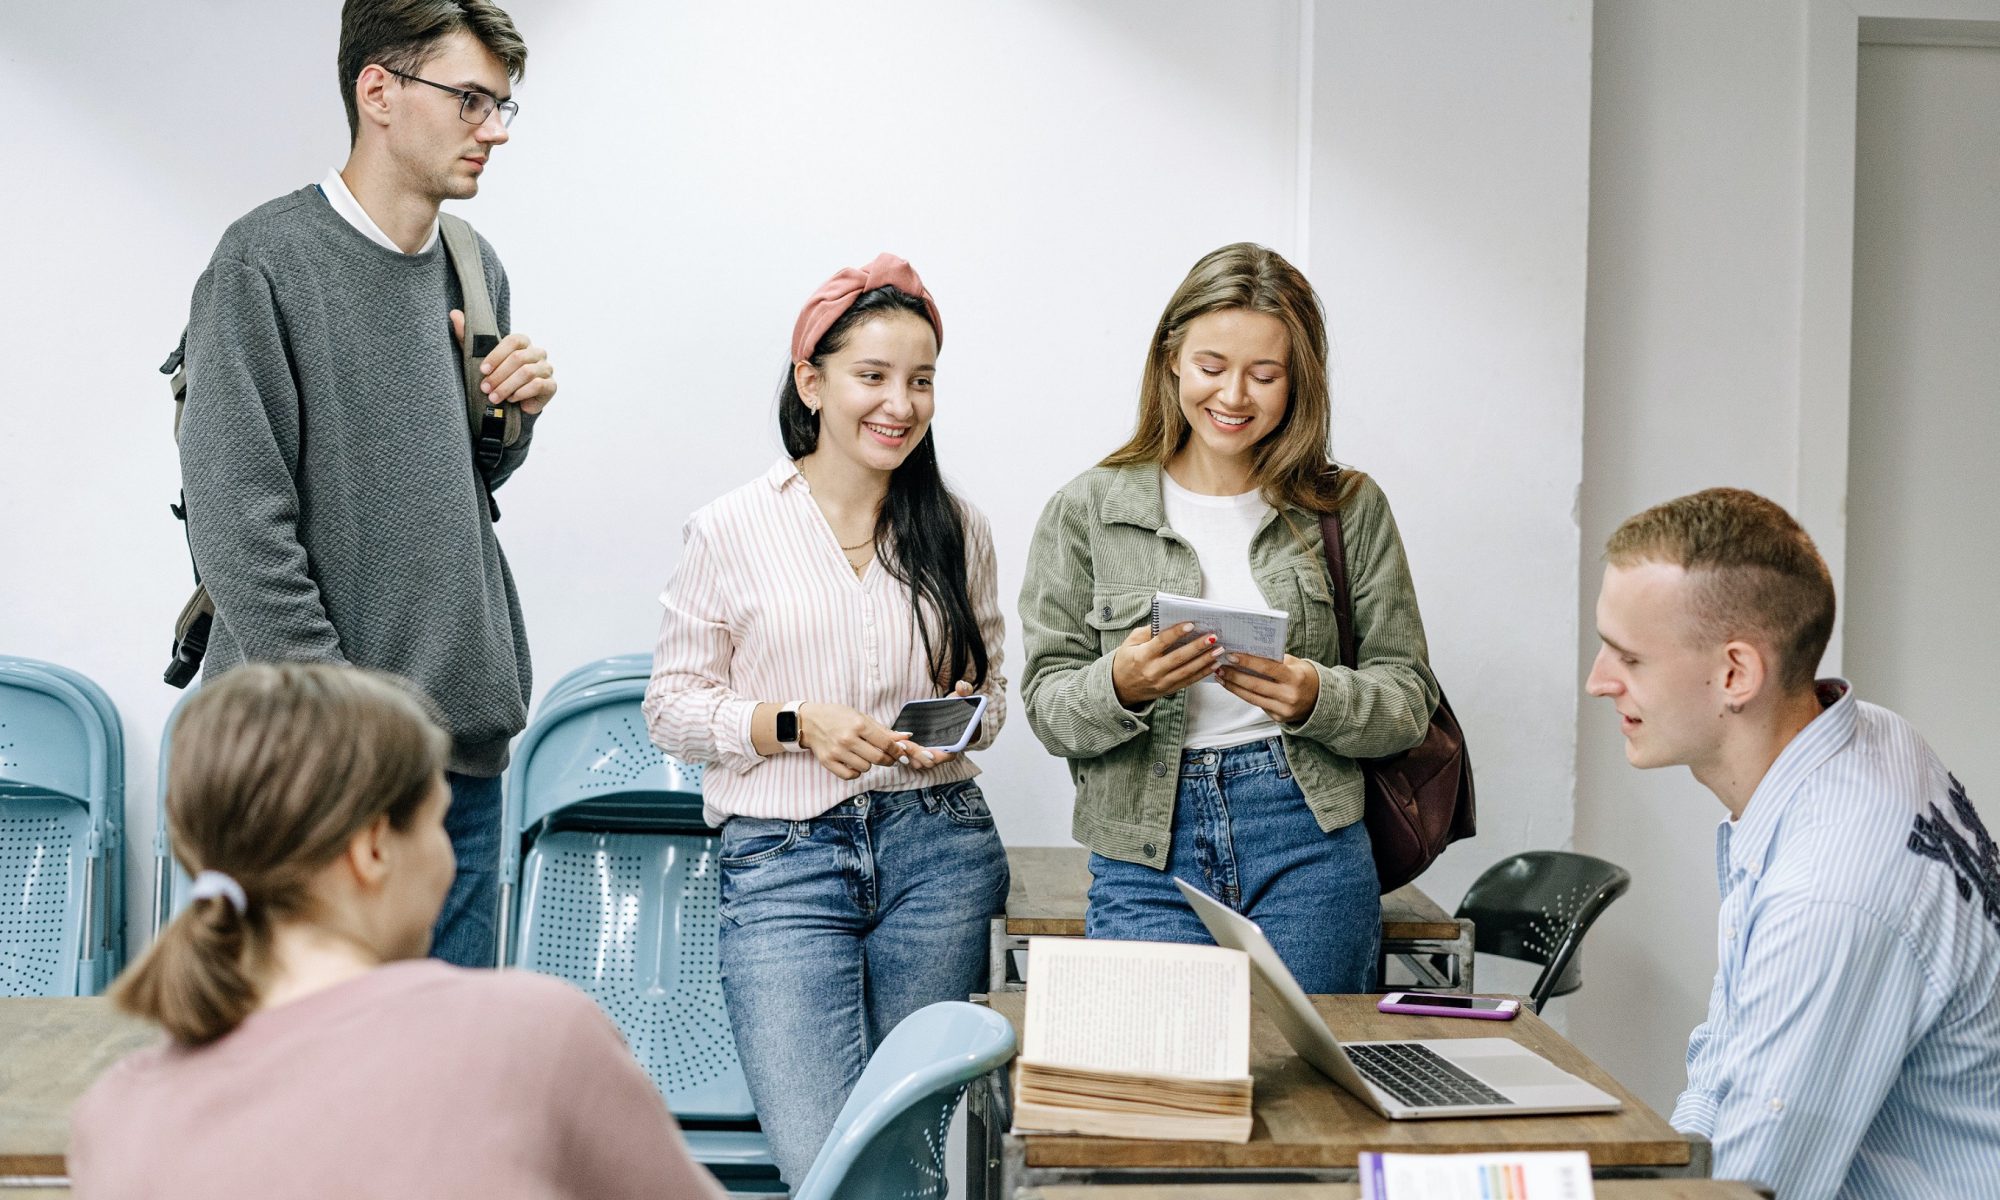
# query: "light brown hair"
{"points": [[1754, 572], [402, 35], [1291, 465], [275, 768]]}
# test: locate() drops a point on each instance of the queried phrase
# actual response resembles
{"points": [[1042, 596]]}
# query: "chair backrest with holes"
{"points": [[619, 885], [1536, 907], [889, 1139], [62, 794]]}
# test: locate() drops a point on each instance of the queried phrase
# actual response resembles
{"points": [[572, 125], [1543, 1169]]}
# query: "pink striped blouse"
{"points": [[766, 609]]}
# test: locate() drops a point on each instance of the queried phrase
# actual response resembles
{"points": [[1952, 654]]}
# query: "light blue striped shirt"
{"points": [[1852, 1045]]}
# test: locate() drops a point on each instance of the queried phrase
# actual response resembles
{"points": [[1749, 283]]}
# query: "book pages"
{"points": [[1138, 1007]]}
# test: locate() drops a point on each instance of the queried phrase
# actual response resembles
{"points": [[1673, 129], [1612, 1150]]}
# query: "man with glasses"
{"points": [[335, 509]]}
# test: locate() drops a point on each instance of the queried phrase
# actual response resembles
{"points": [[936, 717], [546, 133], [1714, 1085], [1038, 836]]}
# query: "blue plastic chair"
{"points": [[604, 670], [610, 879], [170, 882], [62, 792], [114, 827], [889, 1140]]}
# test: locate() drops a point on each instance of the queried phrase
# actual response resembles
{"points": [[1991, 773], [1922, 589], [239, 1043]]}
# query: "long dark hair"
{"points": [[920, 532]]}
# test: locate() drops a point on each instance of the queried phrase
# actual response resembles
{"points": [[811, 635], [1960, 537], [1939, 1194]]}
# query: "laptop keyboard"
{"points": [[1420, 1078]]}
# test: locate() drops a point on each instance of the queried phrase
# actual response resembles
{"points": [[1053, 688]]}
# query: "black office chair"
{"points": [[1536, 907]]}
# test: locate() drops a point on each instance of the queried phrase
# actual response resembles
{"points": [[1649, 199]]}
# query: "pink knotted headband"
{"points": [[838, 294]]}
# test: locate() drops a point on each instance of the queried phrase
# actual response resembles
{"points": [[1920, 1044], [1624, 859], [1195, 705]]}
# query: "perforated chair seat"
{"points": [[43, 842], [631, 919]]}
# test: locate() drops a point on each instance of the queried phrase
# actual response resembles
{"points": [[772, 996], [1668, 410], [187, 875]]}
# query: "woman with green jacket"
{"points": [[1235, 773]]}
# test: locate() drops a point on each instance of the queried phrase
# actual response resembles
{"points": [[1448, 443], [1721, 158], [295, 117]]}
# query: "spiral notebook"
{"points": [[1258, 631]]}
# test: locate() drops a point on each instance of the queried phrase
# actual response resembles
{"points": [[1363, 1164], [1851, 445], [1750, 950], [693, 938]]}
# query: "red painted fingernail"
{"points": [[1211, 641]]}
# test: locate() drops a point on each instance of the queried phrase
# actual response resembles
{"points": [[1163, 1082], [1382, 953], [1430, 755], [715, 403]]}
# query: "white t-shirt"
{"points": [[1220, 529]]}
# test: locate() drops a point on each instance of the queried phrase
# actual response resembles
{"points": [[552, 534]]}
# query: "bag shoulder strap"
{"points": [[1343, 601], [494, 426]]}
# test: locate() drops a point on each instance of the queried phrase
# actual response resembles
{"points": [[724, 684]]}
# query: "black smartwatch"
{"points": [[788, 725]]}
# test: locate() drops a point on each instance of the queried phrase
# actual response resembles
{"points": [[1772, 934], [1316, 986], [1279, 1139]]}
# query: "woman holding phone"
{"points": [[312, 1050], [1235, 773], [858, 868]]}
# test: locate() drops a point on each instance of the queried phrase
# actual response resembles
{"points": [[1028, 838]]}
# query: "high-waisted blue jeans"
{"points": [[1243, 834], [835, 929]]}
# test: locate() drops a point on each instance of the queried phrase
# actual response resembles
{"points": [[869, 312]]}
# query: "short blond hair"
{"points": [[1756, 573]]}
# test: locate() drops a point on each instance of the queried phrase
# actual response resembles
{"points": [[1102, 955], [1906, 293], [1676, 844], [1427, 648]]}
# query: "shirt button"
{"points": [[1127, 723], [1732, 933], [1104, 613], [1777, 1105], [1148, 850], [1159, 769]]}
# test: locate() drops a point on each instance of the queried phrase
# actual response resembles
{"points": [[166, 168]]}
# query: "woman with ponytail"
{"points": [[312, 1051], [858, 869]]}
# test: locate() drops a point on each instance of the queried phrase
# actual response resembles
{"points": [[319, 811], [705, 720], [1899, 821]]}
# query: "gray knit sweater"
{"points": [[333, 504]]}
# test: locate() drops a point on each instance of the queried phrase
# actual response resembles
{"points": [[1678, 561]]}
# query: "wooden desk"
{"points": [[50, 1052], [1307, 1129], [1604, 1189], [1051, 886]]}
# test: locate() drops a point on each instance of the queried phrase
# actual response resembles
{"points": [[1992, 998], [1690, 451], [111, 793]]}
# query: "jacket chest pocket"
{"points": [[1307, 596], [1115, 612]]}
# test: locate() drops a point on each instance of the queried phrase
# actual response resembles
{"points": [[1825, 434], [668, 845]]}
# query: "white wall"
{"points": [[682, 175], [1924, 563], [1450, 192], [1691, 376]]}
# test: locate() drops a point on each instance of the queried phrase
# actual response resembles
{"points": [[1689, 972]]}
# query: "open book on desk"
{"points": [[1135, 1039]]}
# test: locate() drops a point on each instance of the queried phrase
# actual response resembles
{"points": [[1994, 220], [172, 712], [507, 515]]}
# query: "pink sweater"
{"points": [[415, 1080]]}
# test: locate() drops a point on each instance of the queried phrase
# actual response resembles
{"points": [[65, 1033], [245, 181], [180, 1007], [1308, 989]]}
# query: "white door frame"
{"points": [[1835, 31]]}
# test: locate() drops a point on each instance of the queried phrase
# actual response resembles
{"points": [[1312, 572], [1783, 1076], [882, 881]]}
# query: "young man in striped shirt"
{"points": [[1852, 1044]]}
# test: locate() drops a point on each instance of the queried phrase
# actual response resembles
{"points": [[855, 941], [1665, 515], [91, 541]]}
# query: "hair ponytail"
{"points": [[196, 980], [275, 768]]}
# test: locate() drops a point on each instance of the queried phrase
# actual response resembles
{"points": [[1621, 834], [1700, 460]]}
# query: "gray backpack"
{"points": [[494, 427]]}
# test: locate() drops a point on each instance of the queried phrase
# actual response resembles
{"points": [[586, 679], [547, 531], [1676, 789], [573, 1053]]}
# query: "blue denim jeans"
{"points": [[467, 933], [1243, 834], [835, 929]]}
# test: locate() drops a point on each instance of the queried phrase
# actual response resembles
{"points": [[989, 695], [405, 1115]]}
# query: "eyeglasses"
{"points": [[473, 107]]}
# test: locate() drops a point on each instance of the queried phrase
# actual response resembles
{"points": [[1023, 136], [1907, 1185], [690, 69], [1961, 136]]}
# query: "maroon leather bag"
{"points": [[1419, 801]]}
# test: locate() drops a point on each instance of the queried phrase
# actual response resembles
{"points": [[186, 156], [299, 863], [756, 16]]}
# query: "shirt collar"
{"points": [[783, 473], [344, 203], [1748, 842], [1135, 497]]}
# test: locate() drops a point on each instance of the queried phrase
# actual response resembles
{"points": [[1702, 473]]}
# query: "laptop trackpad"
{"points": [[1503, 1064]]}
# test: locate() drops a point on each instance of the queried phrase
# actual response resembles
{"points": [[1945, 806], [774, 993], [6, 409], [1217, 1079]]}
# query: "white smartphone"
{"points": [[948, 723], [1430, 1004]]}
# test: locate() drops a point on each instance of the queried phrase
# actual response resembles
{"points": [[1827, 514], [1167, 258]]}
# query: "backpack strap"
{"points": [[1343, 600], [494, 427]]}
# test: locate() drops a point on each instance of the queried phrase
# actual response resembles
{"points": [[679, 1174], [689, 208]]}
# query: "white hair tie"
{"points": [[210, 884]]}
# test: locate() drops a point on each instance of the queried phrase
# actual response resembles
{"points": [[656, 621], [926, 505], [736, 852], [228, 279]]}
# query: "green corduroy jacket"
{"points": [[1100, 551]]}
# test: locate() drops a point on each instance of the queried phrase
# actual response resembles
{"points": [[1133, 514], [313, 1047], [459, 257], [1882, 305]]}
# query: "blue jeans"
{"points": [[1243, 834], [466, 933], [835, 929]]}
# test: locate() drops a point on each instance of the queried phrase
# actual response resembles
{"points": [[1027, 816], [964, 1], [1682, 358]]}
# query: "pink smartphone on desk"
{"points": [[1429, 1004]]}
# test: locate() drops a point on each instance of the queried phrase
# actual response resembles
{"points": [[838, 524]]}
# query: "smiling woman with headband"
{"points": [[858, 870], [313, 1051]]}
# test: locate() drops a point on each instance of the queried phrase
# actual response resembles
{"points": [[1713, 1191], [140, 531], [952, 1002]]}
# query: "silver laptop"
{"points": [[1404, 1081]]}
